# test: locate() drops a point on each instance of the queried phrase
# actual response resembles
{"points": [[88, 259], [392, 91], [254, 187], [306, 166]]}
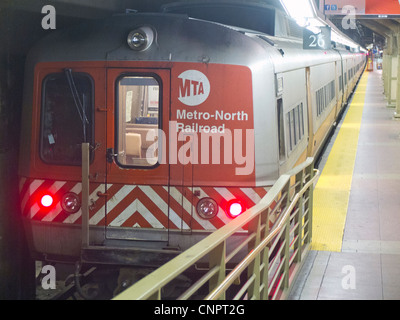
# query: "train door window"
{"points": [[138, 118], [293, 120], [281, 130], [66, 117], [320, 100], [325, 96], [290, 130]]}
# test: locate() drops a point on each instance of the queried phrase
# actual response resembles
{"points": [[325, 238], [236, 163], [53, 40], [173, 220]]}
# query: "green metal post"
{"points": [[298, 218], [287, 256], [310, 192], [287, 242], [265, 256], [217, 258], [254, 267]]}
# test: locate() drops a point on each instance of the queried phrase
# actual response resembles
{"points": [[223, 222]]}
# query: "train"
{"points": [[191, 114]]}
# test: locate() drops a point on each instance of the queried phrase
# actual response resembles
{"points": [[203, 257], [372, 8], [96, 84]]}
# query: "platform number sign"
{"points": [[319, 41]]}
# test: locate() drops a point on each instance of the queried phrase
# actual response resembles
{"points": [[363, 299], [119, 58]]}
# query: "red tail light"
{"points": [[47, 201], [235, 208]]}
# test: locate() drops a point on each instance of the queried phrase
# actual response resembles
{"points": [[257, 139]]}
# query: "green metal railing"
{"points": [[276, 239]]}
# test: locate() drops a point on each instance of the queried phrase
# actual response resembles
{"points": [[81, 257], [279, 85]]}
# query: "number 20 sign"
{"points": [[320, 41]]}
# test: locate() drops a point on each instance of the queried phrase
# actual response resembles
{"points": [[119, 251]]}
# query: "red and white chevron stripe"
{"points": [[134, 206]]}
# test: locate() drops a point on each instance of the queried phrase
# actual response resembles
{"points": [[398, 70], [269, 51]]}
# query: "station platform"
{"points": [[356, 214]]}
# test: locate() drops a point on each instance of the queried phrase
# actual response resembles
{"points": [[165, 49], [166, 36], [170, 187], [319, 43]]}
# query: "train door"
{"points": [[144, 191]]}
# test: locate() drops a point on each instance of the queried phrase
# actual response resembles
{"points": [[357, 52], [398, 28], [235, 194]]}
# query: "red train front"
{"points": [[170, 123]]}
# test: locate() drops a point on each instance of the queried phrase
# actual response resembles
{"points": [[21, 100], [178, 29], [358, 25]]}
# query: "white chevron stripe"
{"points": [[173, 216], [31, 189], [140, 208], [111, 203], [154, 196], [77, 188], [119, 196], [73, 217], [53, 213], [34, 209], [251, 194], [225, 193], [57, 185]]}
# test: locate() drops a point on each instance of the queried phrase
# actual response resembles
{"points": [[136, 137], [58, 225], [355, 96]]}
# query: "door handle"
{"points": [[101, 194], [110, 155]]}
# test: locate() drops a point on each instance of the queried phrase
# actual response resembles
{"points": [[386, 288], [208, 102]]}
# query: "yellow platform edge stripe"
{"points": [[332, 192]]}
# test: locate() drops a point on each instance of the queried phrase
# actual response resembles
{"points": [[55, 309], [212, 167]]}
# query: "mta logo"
{"points": [[194, 87]]}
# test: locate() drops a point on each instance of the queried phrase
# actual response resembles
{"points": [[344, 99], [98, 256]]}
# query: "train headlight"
{"points": [[140, 39], [70, 202], [207, 208]]}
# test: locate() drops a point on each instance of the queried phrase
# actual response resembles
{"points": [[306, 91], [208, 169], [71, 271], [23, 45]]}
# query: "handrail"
{"points": [[239, 269], [269, 251]]}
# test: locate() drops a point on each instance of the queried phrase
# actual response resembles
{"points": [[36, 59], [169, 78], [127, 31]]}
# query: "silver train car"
{"points": [[191, 113]]}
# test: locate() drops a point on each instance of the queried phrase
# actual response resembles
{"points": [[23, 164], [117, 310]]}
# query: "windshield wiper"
{"points": [[80, 107]]}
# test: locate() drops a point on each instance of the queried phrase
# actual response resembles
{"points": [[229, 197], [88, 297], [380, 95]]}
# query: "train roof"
{"points": [[179, 37], [269, 18]]}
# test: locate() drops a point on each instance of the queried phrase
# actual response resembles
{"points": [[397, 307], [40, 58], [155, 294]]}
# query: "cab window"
{"points": [[138, 120], [66, 117]]}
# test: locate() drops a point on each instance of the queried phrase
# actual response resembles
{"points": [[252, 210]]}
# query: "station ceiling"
{"points": [[370, 29]]}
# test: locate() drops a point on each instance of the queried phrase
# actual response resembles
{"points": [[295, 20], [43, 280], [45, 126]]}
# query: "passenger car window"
{"points": [[66, 124], [138, 111]]}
